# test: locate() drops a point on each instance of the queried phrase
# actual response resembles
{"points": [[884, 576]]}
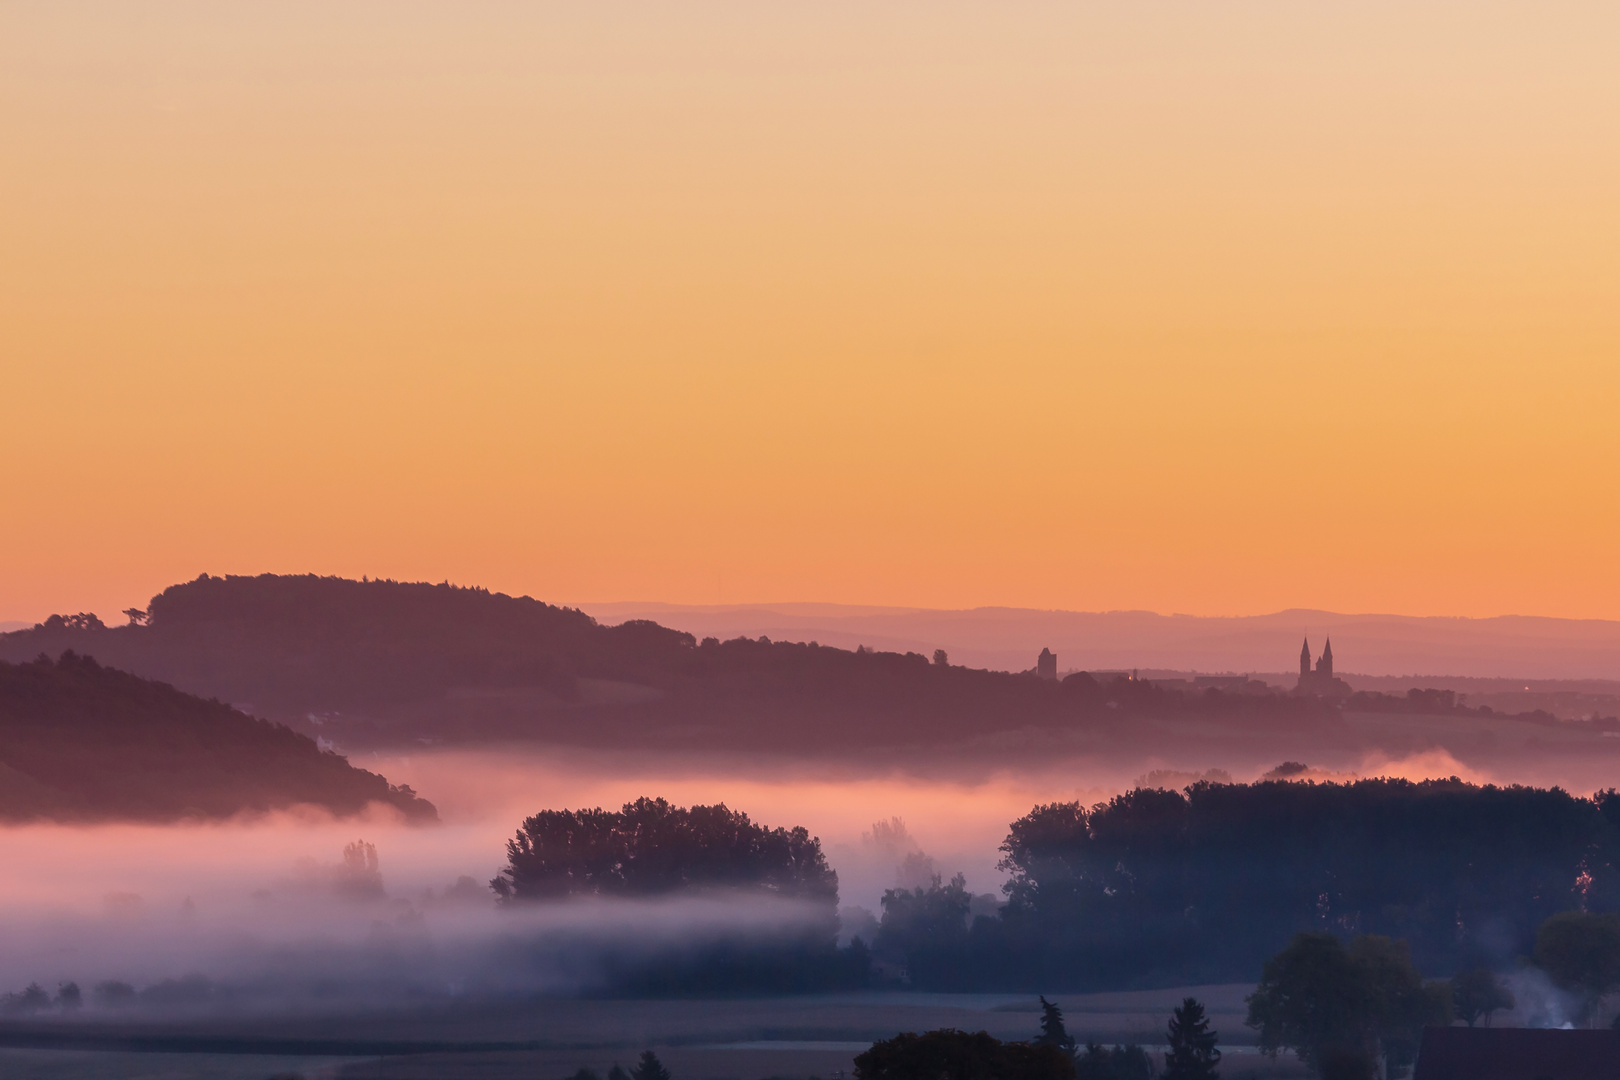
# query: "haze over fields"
{"points": [[533, 532]]}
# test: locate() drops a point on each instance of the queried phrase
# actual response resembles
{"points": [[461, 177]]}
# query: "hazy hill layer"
{"points": [[288, 645], [383, 661], [1511, 646], [83, 742], [375, 664]]}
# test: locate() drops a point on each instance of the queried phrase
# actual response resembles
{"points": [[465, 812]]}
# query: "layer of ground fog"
{"points": [[375, 664]]}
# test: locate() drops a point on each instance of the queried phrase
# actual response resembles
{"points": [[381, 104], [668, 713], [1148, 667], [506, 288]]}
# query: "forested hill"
{"points": [[291, 644], [377, 662], [83, 742]]}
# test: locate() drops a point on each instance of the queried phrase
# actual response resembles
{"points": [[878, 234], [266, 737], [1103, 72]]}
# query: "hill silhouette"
{"points": [[385, 662], [378, 664], [83, 742]]}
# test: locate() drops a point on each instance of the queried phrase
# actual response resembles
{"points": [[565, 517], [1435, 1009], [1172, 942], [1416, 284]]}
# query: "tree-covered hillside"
{"points": [[385, 663], [389, 662], [83, 742]]}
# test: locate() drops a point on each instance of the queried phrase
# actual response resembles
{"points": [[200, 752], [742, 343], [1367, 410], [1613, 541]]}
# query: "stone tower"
{"points": [[1305, 660], [1324, 666]]}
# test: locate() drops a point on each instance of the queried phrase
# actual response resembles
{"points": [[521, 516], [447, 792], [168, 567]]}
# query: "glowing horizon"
{"points": [[1212, 311]]}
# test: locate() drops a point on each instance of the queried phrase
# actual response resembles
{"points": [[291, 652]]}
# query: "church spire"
{"points": [[1325, 665], [1305, 659]]}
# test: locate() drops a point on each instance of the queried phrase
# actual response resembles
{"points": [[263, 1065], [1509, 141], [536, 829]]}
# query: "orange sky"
{"points": [[1192, 307]]}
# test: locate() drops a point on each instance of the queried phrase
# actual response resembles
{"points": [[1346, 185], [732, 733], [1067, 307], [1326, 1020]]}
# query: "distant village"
{"points": [[1589, 701], [1315, 680]]}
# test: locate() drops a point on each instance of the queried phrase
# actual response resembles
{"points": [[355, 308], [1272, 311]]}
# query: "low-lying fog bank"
{"points": [[228, 918], [294, 910]]}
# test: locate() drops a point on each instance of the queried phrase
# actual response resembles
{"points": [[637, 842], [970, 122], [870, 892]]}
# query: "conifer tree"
{"points": [[649, 1068], [1052, 1031], [1192, 1054]]}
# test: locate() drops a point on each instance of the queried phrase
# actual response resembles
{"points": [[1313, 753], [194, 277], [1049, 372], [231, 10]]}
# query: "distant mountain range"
{"points": [[1511, 647]]}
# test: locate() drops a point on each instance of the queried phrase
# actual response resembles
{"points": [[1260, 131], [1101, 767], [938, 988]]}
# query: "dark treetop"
{"points": [[1161, 887], [651, 848]]}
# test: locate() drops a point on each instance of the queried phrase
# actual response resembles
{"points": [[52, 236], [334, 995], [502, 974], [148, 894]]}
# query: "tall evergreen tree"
{"points": [[1192, 1054], [649, 1068], [1053, 1032]]}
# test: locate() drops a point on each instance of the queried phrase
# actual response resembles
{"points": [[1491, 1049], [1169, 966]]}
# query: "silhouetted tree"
{"points": [[1580, 952], [32, 999], [1053, 1032], [1476, 994], [1341, 1009], [359, 877], [941, 658], [651, 847], [649, 1068], [1192, 1054], [1313, 999], [617, 1072], [927, 930], [68, 997], [1402, 1003]]}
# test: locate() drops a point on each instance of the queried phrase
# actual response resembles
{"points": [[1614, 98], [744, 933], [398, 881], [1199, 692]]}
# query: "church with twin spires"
{"points": [[1320, 682]]}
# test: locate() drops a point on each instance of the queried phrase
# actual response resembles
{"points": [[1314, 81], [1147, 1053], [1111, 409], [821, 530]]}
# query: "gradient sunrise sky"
{"points": [[1214, 308]]}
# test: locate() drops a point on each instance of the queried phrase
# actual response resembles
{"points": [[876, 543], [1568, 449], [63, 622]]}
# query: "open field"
{"points": [[700, 1040]]}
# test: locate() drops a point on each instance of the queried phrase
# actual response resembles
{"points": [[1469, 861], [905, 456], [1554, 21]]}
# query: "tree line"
{"points": [[1161, 887], [1151, 888]]}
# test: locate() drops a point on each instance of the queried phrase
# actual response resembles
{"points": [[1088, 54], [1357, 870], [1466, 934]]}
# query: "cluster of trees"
{"points": [[1150, 888], [1580, 952], [79, 741], [948, 1054], [652, 848], [34, 999], [647, 1068], [958, 1055], [1164, 887], [1346, 1007], [1355, 1009]]}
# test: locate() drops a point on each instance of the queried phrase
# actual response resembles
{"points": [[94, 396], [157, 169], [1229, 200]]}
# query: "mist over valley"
{"points": [[341, 900]]}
